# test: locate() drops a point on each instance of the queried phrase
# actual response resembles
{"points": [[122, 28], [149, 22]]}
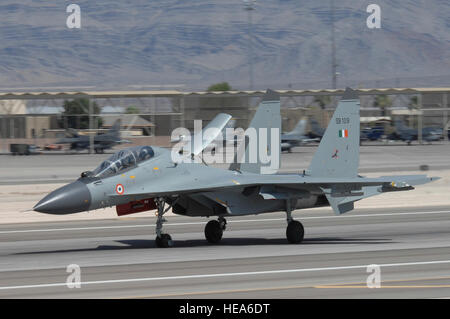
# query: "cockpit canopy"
{"points": [[123, 160]]}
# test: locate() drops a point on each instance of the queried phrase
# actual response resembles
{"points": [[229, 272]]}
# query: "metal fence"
{"points": [[150, 117]]}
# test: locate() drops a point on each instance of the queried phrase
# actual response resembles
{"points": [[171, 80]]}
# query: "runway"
{"points": [[118, 258]]}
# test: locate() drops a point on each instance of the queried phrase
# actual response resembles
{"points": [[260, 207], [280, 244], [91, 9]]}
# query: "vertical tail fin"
{"points": [[299, 129], [315, 127], [338, 151], [115, 128], [267, 118]]}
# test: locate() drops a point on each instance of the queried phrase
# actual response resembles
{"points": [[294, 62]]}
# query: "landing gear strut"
{"points": [[162, 240], [214, 230], [294, 231]]}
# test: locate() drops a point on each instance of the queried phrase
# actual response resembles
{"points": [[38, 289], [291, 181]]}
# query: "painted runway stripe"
{"points": [[229, 221], [218, 275]]}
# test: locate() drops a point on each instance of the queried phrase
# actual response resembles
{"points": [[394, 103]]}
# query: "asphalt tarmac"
{"points": [[118, 258]]}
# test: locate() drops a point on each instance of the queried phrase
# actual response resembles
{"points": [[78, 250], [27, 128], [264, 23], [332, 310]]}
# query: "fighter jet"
{"points": [[407, 134], [147, 178], [102, 142], [296, 137]]}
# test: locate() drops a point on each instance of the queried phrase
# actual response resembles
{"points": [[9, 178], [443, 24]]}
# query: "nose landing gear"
{"points": [[162, 240]]}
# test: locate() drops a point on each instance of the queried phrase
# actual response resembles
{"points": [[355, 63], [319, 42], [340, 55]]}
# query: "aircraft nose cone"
{"points": [[71, 198]]}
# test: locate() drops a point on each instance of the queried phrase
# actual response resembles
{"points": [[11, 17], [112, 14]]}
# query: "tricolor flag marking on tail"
{"points": [[343, 133]]}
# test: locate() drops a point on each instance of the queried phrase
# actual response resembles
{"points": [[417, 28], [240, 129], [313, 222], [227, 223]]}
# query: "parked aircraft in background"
{"points": [[296, 137], [408, 134], [373, 133], [102, 142]]}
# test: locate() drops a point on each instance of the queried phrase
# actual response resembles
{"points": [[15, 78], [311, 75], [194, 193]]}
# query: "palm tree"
{"points": [[413, 103]]}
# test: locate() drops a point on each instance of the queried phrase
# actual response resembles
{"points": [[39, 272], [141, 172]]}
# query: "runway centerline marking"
{"points": [[230, 222], [217, 275]]}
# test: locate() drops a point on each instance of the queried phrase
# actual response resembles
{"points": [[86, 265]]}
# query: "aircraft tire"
{"points": [[295, 232], [213, 232], [165, 241]]}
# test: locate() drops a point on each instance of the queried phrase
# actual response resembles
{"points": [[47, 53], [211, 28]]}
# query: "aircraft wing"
{"points": [[232, 189], [211, 180]]}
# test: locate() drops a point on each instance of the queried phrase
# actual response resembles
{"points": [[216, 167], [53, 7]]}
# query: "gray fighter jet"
{"points": [[407, 134], [145, 178], [102, 142], [296, 137]]}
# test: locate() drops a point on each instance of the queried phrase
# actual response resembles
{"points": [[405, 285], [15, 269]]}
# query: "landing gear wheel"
{"points": [[295, 232], [164, 241], [213, 231]]}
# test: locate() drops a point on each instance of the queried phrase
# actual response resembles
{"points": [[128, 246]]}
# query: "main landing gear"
{"points": [[162, 240], [294, 231], [214, 230]]}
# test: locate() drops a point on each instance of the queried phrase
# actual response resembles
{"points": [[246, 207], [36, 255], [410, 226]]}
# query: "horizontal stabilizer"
{"points": [[340, 205]]}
